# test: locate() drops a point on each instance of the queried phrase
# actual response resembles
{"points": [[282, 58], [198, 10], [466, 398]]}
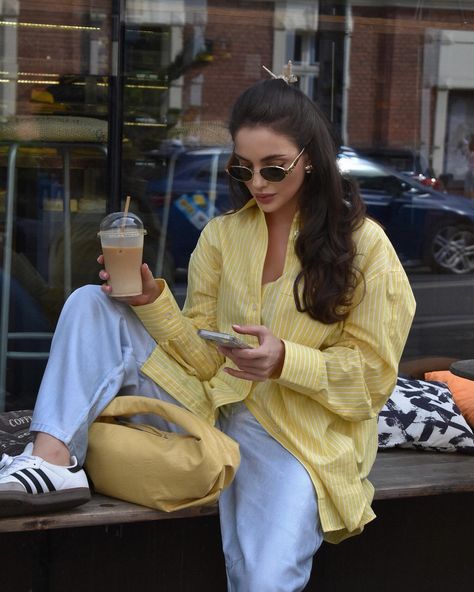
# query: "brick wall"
{"points": [[65, 48], [242, 40], [386, 72], [386, 60], [45, 50]]}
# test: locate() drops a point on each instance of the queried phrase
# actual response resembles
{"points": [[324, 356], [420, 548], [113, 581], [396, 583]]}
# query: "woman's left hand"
{"points": [[150, 290], [259, 363]]}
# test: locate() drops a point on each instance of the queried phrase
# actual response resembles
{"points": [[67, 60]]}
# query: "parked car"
{"points": [[426, 227], [406, 161], [195, 189]]}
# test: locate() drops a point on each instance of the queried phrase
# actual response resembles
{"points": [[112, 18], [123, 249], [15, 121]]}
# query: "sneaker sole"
{"points": [[17, 503]]}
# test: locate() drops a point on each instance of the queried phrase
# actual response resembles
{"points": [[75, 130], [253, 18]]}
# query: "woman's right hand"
{"points": [[149, 293]]}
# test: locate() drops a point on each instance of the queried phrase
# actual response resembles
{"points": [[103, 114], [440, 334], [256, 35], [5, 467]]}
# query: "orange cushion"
{"points": [[462, 390]]}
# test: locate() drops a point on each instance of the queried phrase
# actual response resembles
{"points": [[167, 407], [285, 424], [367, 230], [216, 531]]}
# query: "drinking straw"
{"points": [[125, 212], [127, 205]]}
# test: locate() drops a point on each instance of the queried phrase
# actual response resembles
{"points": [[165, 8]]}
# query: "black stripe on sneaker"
{"points": [[31, 476], [23, 481], [46, 479]]}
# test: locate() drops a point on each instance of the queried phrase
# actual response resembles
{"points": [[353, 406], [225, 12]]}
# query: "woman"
{"points": [[318, 292]]}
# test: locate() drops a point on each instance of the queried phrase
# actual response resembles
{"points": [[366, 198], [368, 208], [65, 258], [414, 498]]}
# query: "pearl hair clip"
{"points": [[287, 74]]}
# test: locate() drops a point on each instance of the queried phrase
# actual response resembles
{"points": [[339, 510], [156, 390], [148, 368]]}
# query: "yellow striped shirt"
{"points": [[335, 377]]}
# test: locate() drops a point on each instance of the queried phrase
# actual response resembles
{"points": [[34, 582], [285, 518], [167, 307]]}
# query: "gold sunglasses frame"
{"points": [[286, 171]]}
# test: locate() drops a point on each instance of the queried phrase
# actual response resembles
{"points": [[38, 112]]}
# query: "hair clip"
{"points": [[287, 74]]}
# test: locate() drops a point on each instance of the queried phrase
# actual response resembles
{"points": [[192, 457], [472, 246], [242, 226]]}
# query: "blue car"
{"points": [[195, 189], [427, 227]]}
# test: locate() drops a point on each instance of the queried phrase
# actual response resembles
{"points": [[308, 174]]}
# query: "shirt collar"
{"points": [[250, 204], [294, 225]]}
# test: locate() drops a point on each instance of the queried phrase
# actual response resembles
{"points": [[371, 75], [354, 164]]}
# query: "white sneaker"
{"points": [[30, 485]]}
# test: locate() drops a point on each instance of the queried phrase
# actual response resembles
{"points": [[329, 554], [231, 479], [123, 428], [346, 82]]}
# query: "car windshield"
{"points": [[371, 176]]}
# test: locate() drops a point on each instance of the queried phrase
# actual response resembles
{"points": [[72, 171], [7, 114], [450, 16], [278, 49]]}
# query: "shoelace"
{"points": [[19, 461], [6, 461]]}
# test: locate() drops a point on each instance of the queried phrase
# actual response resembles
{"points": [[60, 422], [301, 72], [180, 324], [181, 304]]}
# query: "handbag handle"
{"points": [[129, 405]]}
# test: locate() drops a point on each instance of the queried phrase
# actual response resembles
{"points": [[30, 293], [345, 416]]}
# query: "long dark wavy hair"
{"points": [[330, 205]]}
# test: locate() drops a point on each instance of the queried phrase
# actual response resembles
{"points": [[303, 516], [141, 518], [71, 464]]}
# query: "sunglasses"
{"points": [[273, 174]]}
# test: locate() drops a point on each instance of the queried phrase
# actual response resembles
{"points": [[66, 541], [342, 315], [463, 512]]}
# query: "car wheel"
{"points": [[451, 249]]}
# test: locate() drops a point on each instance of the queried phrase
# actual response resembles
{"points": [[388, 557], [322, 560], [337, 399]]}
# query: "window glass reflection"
{"points": [[380, 73], [394, 78], [53, 158]]}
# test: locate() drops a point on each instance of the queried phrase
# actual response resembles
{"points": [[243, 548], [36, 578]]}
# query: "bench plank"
{"points": [[409, 473], [99, 511], [396, 474]]}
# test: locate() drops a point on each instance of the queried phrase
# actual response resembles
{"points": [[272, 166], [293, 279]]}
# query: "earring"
{"points": [[308, 169]]}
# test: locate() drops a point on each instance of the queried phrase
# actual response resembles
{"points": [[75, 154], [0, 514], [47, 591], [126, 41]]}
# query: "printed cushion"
{"points": [[462, 390], [423, 415], [14, 431]]}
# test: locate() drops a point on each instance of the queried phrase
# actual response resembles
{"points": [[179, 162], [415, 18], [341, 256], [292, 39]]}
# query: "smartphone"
{"points": [[223, 339]]}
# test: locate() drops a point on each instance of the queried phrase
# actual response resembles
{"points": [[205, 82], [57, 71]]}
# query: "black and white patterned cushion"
{"points": [[15, 431], [423, 415]]}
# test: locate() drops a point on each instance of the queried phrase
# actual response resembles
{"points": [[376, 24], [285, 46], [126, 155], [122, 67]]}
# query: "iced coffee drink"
{"points": [[121, 235]]}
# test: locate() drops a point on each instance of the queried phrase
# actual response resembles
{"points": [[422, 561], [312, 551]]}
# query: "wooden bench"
{"points": [[423, 501], [396, 474], [421, 540]]}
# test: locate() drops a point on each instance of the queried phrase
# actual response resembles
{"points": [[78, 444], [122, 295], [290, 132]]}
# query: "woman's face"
{"points": [[258, 147]]}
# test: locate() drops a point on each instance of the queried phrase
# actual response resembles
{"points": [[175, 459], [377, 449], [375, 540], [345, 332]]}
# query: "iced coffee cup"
{"points": [[121, 235]]}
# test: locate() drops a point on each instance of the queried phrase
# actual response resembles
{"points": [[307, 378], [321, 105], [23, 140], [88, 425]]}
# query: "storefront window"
{"points": [[395, 79], [54, 63]]}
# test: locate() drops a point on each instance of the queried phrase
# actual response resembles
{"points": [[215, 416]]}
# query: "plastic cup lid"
{"points": [[117, 220]]}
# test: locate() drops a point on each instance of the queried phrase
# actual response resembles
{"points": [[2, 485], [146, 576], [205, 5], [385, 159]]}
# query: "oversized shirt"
{"points": [[335, 378]]}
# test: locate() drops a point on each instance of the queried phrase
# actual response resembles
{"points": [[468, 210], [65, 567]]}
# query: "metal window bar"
{"points": [[65, 149]]}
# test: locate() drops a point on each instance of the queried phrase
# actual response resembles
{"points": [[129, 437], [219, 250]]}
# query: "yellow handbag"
{"points": [[162, 470]]}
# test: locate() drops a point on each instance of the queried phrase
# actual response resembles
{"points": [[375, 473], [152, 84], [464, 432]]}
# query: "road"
{"points": [[444, 321]]}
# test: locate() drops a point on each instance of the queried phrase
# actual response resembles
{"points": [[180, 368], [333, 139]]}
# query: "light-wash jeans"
{"points": [[269, 515]]}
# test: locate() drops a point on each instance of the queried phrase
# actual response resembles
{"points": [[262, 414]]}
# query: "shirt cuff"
{"points": [[301, 366], [162, 318]]}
